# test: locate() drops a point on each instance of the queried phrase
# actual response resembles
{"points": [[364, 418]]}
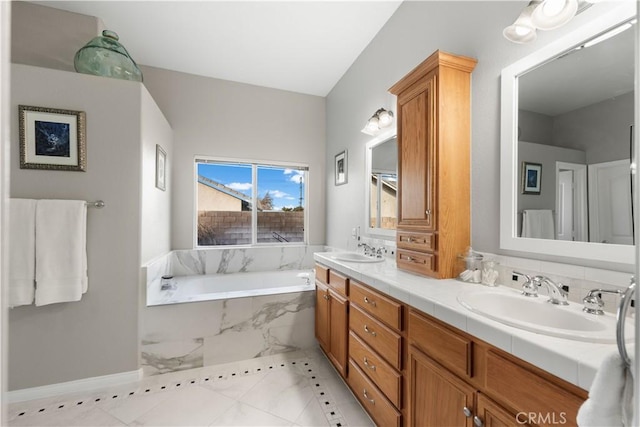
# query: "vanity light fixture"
{"points": [[543, 15], [381, 119]]}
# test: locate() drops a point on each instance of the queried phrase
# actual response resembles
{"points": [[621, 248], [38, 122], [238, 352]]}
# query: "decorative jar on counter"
{"points": [[471, 266]]}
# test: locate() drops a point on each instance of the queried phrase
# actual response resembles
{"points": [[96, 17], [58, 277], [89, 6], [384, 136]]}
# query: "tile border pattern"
{"points": [[305, 365]]}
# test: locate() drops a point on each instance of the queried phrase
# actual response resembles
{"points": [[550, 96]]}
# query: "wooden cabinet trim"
{"points": [[322, 273], [339, 283]]}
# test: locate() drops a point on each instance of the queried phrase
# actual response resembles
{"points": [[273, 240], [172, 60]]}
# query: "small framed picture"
{"points": [[161, 168], [52, 139], [341, 168], [531, 178]]}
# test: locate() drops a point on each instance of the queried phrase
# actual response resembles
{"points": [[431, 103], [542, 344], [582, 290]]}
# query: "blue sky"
{"points": [[283, 184]]}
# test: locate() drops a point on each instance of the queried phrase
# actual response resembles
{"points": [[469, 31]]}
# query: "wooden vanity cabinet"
{"points": [[433, 122], [331, 322], [456, 379]]}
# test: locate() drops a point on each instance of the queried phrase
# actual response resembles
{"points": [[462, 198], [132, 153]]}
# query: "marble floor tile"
{"points": [[298, 388]]}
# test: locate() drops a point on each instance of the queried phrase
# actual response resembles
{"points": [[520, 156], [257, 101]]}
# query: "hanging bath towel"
{"points": [[22, 251], [61, 251], [538, 224]]}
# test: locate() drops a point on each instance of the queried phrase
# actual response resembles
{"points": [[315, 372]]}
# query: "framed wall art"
{"points": [[52, 139], [161, 168], [341, 168], [531, 178]]}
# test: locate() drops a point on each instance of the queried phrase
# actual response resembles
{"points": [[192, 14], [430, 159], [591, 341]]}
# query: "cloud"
{"points": [[240, 186], [295, 175], [277, 194]]}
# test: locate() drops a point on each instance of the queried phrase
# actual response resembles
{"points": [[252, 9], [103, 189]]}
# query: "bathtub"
{"points": [[211, 287]]}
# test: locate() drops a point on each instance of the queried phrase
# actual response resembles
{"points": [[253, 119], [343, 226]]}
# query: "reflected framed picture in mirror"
{"points": [[341, 168], [531, 178]]}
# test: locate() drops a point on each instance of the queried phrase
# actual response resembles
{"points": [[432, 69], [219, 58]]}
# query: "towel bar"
{"points": [[97, 204], [621, 316]]}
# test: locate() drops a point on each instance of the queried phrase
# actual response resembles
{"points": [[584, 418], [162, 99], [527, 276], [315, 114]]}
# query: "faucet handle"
{"points": [[593, 303], [530, 285]]}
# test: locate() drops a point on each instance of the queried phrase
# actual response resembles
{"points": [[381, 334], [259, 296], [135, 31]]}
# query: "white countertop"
{"points": [[573, 361]]}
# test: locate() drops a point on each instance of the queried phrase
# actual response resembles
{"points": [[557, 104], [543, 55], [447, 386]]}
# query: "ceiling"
{"points": [[300, 46]]}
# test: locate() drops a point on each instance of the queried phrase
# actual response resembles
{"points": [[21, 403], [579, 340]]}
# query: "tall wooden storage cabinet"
{"points": [[433, 116]]}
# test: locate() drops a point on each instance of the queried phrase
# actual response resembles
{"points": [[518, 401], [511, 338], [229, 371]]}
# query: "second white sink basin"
{"points": [[537, 315], [355, 257]]}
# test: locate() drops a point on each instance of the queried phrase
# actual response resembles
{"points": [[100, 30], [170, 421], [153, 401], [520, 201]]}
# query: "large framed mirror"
{"points": [[566, 144], [381, 185]]}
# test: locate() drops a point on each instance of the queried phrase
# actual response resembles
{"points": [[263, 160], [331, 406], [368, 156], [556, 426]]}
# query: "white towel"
{"points": [[61, 251], [538, 224], [610, 401], [22, 251]]}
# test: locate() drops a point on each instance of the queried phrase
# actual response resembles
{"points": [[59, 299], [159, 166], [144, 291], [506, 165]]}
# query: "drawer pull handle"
{"points": [[409, 239], [467, 412], [326, 297], [366, 396], [410, 259], [369, 365], [369, 331], [477, 422], [368, 301]]}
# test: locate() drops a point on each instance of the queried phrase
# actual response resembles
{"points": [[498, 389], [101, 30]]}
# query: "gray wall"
{"points": [[97, 335], [226, 119], [415, 31]]}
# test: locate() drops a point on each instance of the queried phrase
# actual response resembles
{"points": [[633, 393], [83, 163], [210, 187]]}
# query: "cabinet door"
{"points": [[417, 156], [322, 316], [338, 309], [493, 415], [437, 397]]}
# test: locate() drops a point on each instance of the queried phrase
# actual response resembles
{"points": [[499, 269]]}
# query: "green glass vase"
{"points": [[105, 56]]}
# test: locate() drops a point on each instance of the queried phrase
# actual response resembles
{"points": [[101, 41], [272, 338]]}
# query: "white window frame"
{"points": [[254, 195]]}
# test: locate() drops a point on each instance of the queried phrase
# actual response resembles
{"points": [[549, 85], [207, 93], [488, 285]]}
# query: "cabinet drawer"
{"points": [[380, 372], [322, 274], [379, 337], [339, 283], [372, 302], [372, 399], [418, 262], [526, 391], [445, 346], [416, 241]]}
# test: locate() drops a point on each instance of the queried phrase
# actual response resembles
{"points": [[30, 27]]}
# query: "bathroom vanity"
{"points": [[414, 356]]}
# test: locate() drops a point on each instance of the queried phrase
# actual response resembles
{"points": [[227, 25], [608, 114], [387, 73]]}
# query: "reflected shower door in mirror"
{"points": [[567, 115], [382, 185], [574, 116]]}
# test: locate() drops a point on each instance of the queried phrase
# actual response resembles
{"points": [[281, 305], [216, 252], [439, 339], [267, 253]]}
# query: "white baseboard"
{"points": [[78, 386]]}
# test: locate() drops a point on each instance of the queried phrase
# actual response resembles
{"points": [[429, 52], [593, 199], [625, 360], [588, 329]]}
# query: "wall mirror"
{"points": [[381, 185], [566, 144]]}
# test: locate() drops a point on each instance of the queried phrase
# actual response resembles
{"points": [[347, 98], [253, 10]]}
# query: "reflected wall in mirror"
{"points": [[574, 117], [570, 107], [381, 178]]}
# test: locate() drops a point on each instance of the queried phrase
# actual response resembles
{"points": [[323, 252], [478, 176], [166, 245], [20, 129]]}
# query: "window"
{"points": [[246, 203]]}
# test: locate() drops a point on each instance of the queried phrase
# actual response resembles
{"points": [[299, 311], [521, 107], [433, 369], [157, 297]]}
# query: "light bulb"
{"points": [[385, 118], [552, 7], [372, 125]]}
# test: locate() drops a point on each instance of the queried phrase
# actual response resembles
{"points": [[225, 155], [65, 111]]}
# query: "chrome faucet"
{"points": [[557, 294], [529, 287], [593, 303], [368, 250]]}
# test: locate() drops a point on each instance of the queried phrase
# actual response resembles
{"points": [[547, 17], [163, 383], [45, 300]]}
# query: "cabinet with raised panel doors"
{"points": [[332, 307], [433, 122]]}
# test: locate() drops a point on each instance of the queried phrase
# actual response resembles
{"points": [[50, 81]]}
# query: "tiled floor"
{"points": [[291, 389]]}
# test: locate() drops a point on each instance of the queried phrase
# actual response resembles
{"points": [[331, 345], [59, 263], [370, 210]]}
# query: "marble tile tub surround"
{"points": [[230, 260], [573, 361]]}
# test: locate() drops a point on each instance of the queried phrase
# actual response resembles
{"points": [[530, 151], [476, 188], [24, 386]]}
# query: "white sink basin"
{"points": [[355, 257], [537, 315]]}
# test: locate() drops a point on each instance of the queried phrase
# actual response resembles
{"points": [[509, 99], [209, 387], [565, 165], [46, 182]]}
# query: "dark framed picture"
{"points": [[531, 178], [52, 139], [341, 168], [161, 168]]}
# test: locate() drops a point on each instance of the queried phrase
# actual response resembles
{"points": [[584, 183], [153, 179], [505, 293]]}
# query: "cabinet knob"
{"points": [[369, 365], [467, 412], [368, 301], [477, 422], [325, 297], [427, 212], [366, 396], [369, 331]]}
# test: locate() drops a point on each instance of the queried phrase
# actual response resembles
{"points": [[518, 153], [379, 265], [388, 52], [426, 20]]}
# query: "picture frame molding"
{"points": [[29, 159]]}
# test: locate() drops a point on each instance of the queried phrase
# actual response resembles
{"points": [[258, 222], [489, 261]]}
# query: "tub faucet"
{"points": [[557, 292]]}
